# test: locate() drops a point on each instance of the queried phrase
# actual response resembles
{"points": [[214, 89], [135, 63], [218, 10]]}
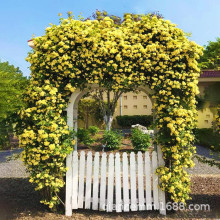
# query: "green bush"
{"points": [[140, 141], [112, 140], [125, 121], [6, 128], [12, 86], [93, 130], [84, 136], [208, 138]]}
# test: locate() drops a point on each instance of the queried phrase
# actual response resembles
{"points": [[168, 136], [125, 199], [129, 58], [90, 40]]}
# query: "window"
{"points": [[135, 106], [207, 116], [145, 106], [206, 121], [144, 97], [135, 97], [125, 97], [125, 107]]}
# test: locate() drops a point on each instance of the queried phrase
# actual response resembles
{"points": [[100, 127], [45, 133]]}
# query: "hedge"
{"points": [[207, 138], [126, 121]]}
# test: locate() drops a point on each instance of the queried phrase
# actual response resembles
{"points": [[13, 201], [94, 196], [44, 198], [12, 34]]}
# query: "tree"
{"points": [[89, 108], [12, 85], [211, 56], [107, 103]]}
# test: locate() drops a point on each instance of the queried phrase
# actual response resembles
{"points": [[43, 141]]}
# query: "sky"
{"points": [[20, 19]]}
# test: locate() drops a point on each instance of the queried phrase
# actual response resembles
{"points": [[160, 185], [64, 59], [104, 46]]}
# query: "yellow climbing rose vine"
{"points": [[147, 51]]}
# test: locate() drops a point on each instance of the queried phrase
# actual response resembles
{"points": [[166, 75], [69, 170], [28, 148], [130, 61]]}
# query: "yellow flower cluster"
{"points": [[46, 140], [148, 51]]}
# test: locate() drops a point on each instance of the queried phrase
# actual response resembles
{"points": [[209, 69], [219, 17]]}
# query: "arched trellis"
{"points": [[151, 51], [72, 117], [72, 108]]}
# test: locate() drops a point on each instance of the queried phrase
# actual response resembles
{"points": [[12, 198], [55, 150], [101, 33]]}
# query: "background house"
{"points": [[140, 104]]}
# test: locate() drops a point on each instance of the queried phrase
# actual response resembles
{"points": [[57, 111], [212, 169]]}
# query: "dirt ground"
{"points": [[18, 200]]}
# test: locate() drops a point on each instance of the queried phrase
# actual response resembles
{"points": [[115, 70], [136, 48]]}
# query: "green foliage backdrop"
{"points": [[12, 86], [211, 56]]}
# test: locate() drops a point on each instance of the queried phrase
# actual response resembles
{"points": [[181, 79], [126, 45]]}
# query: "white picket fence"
{"points": [[114, 182]]}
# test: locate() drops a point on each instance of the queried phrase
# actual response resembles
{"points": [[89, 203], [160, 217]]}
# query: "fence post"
{"points": [[148, 168], [155, 181], [102, 203], [75, 181], [133, 182], [118, 199], [162, 199], [96, 172], [126, 204], [141, 199], [69, 179]]}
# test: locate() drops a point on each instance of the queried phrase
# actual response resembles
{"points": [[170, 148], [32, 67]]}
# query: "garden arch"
{"points": [[72, 108], [141, 50], [71, 180]]}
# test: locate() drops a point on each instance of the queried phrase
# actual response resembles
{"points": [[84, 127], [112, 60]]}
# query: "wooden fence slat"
{"points": [[103, 184], [133, 182], [141, 200], [69, 178], [117, 170], [95, 182], [110, 183], [88, 180], [162, 200], [75, 181], [118, 201], [155, 180], [125, 183], [148, 181], [81, 180]]}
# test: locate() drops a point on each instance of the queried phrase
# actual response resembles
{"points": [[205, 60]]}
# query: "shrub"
{"points": [[140, 141], [93, 130], [112, 140], [126, 121], [84, 136], [208, 138]]}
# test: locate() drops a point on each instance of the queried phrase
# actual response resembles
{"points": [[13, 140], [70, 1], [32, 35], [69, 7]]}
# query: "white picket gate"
{"points": [[114, 182]]}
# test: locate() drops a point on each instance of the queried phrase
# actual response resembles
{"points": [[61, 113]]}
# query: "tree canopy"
{"points": [[211, 56], [12, 85]]}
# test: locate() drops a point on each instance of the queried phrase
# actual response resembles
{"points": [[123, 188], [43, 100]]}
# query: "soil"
{"points": [[18, 200]]}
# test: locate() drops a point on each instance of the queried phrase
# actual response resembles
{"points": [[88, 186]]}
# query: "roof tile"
{"points": [[210, 73]]}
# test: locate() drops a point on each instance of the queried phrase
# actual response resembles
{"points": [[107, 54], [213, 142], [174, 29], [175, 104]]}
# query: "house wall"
{"points": [[205, 118], [206, 115], [134, 104], [140, 104]]}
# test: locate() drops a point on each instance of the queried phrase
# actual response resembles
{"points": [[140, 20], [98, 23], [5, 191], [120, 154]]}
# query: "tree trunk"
{"points": [[109, 107], [108, 122]]}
